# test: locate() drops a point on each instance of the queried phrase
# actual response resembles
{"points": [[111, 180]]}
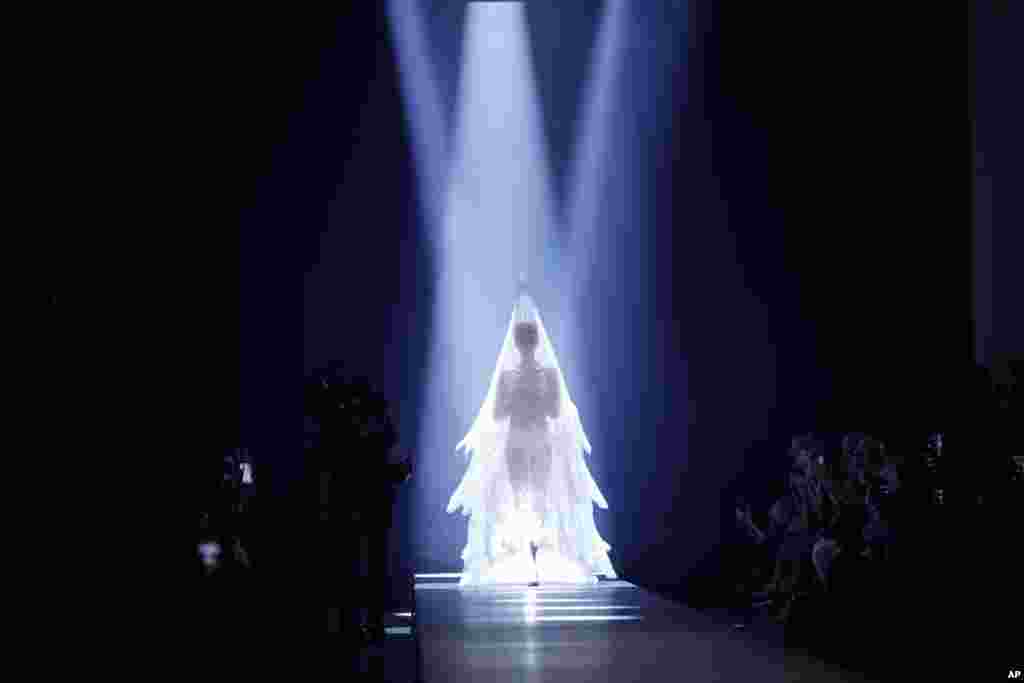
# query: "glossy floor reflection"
{"points": [[612, 631]]}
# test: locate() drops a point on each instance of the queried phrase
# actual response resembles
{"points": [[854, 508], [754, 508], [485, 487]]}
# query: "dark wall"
{"points": [[996, 169], [821, 277], [298, 229], [844, 185]]}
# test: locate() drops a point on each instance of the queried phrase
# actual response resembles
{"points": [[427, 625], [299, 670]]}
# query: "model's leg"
{"points": [[518, 474], [541, 471]]}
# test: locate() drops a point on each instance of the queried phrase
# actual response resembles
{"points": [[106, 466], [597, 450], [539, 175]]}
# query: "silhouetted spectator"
{"points": [[882, 482], [846, 485], [380, 479], [357, 435], [796, 521], [225, 598]]}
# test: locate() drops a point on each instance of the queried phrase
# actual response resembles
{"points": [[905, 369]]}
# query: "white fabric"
{"points": [[554, 509]]}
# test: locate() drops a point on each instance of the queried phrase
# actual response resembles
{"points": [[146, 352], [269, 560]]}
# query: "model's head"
{"points": [[527, 336]]}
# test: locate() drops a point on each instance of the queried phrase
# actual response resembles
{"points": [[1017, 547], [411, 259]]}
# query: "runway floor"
{"points": [[612, 631]]}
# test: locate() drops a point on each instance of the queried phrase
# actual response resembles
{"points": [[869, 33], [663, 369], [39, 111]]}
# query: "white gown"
{"points": [[527, 480]]}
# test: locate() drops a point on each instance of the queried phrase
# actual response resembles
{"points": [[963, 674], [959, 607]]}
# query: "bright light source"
{"points": [[599, 618], [572, 608], [398, 630], [546, 600], [441, 575]]}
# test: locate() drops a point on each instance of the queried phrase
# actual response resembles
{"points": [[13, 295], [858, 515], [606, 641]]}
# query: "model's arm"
{"points": [[554, 393], [502, 409]]}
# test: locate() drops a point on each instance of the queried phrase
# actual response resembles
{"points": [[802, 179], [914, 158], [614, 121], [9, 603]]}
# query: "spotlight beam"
{"points": [[592, 174], [493, 219], [426, 116]]}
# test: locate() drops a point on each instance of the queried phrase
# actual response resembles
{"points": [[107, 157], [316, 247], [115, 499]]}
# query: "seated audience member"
{"points": [[881, 478], [797, 520], [846, 487]]}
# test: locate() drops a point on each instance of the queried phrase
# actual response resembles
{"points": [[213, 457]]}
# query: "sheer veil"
{"points": [[572, 490]]}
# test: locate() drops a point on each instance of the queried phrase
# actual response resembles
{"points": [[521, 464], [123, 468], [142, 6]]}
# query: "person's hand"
{"points": [[743, 515]]}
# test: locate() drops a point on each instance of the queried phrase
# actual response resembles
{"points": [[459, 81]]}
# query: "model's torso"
{"points": [[531, 396]]}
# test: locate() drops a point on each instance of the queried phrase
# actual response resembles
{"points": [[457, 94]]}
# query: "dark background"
{"points": [[819, 159]]}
